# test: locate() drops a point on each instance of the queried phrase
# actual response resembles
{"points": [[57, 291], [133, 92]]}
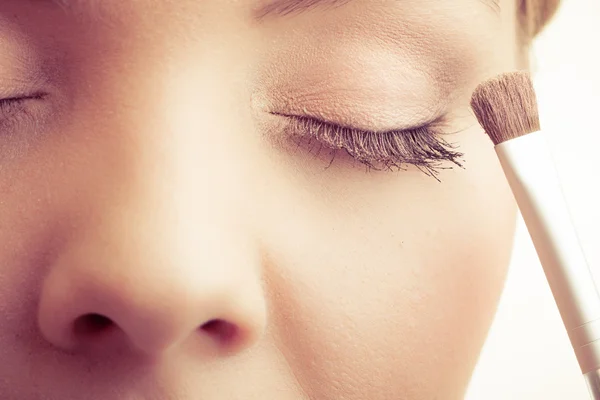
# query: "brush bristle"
{"points": [[506, 106]]}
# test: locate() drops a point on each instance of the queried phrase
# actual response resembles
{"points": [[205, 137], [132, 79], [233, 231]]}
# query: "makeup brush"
{"points": [[506, 107]]}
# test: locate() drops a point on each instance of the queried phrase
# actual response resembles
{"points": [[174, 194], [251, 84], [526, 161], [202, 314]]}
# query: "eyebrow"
{"points": [[286, 7]]}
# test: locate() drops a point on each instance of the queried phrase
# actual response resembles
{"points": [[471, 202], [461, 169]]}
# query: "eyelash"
{"points": [[423, 147], [10, 107], [13, 110]]}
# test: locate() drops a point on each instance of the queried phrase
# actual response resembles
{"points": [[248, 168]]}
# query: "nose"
{"points": [[156, 269], [159, 254], [97, 298]]}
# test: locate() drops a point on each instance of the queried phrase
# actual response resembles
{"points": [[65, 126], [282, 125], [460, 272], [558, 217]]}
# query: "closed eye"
{"points": [[13, 109], [423, 146]]}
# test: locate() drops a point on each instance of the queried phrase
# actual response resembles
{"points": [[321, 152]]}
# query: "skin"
{"points": [[153, 185]]}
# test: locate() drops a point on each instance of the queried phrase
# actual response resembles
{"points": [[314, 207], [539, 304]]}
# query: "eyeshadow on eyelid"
{"points": [[367, 108], [358, 86]]}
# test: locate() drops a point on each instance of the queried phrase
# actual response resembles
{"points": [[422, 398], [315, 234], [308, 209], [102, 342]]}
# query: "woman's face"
{"points": [[202, 199]]}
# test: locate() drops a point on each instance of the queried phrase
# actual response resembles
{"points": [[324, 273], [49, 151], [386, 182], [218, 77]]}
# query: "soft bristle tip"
{"points": [[506, 106]]}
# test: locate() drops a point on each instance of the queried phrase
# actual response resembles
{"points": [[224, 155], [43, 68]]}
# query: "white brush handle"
{"points": [[531, 173]]}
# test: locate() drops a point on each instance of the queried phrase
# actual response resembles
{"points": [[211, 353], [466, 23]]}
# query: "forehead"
{"points": [[406, 28]]}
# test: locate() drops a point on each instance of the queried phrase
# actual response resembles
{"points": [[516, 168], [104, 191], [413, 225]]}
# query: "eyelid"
{"points": [[429, 124]]}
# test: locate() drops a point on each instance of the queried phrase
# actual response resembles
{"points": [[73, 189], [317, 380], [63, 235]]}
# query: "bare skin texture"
{"points": [[149, 186]]}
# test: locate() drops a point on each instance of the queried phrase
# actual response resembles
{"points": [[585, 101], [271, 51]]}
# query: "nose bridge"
{"points": [[177, 140], [187, 166]]}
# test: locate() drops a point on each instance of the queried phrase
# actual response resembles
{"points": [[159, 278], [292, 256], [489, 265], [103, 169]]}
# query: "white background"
{"points": [[528, 355]]}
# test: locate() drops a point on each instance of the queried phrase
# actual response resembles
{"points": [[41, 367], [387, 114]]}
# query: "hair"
{"points": [[534, 15]]}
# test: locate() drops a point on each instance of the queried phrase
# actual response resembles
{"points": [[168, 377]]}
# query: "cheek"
{"points": [[27, 238], [402, 282]]}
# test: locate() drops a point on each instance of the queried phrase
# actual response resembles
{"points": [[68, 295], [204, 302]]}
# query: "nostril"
{"points": [[223, 331], [92, 324]]}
